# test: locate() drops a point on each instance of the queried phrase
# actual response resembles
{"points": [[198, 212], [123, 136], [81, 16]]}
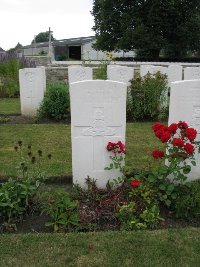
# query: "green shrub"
{"points": [[187, 204], [56, 103], [10, 64], [148, 97], [9, 85]]}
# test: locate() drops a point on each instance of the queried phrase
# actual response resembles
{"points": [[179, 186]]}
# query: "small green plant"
{"points": [[101, 72], [148, 97], [15, 199], [4, 119], [16, 195], [63, 211], [30, 161], [56, 103]]}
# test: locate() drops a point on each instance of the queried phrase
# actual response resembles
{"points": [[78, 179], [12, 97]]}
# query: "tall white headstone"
{"points": [[144, 69], [192, 73], [185, 106], [98, 116], [120, 73], [79, 73], [31, 90], [174, 73]]}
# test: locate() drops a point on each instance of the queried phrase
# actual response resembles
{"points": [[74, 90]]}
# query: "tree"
{"points": [[16, 48], [147, 25], [42, 37]]}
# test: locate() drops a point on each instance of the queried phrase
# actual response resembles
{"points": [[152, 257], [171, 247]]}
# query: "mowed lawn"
{"points": [[10, 106], [55, 139], [161, 248]]}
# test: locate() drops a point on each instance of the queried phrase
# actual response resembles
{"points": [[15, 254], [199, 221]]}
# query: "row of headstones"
{"points": [[174, 72], [98, 116], [33, 81]]}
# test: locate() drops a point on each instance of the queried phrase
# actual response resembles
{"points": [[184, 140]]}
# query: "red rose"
{"points": [[182, 125], [178, 142], [165, 136], [118, 147], [135, 183], [157, 126], [158, 154], [173, 128], [159, 133], [191, 134], [189, 148], [121, 147], [110, 146]]}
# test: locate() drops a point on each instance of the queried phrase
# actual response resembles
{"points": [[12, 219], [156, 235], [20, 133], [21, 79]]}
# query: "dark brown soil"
{"points": [[17, 119]]}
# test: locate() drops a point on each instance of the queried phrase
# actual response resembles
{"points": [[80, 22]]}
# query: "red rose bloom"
{"points": [[157, 126], [159, 133], [165, 136], [135, 183], [158, 154], [189, 148], [118, 147], [178, 142], [110, 146], [182, 125], [191, 134], [173, 128], [121, 147]]}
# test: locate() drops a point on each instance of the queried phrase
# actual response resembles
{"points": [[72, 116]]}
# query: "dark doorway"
{"points": [[61, 53], [75, 52]]}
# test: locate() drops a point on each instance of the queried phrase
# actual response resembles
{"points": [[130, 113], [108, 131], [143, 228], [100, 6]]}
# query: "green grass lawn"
{"points": [[56, 139], [10, 106], [161, 248]]}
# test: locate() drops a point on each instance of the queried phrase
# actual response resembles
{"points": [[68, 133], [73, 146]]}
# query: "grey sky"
{"points": [[20, 20]]}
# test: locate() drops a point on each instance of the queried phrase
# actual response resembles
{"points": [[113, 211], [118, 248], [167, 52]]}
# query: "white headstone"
{"points": [[98, 116], [31, 90], [120, 73], [174, 73], [144, 69], [192, 73], [185, 106], [79, 73]]}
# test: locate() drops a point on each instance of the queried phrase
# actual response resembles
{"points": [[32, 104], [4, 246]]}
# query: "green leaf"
{"points": [[162, 187], [170, 187], [187, 169], [168, 202], [173, 195]]}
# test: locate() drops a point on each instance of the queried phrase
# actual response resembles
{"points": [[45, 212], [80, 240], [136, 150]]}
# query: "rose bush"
{"points": [[147, 192]]}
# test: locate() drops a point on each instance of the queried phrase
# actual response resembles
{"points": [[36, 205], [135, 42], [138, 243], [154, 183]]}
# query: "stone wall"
{"points": [[40, 60], [56, 74]]}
